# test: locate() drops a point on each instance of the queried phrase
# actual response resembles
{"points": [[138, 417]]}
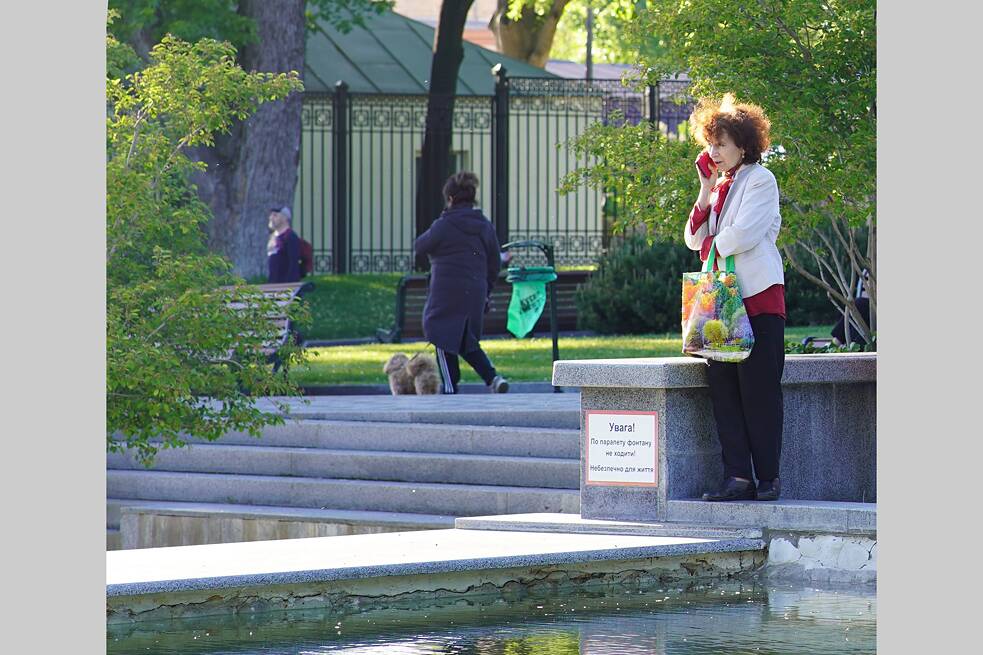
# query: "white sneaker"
{"points": [[499, 385]]}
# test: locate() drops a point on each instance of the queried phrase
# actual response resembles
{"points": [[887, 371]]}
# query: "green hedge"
{"points": [[636, 290]]}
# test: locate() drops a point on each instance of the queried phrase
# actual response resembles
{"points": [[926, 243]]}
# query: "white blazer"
{"points": [[747, 228]]}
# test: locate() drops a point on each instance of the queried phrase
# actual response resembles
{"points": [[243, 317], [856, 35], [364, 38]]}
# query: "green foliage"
{"points": [[651, 171], [119, 56], [189, 20], [811, 64], [611, 44], [798, 348], [178, 357], [635, 289], [222, 20], [812, 69]]}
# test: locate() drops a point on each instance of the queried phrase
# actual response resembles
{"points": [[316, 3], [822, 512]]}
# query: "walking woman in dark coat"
{"points": [[465, 261]]}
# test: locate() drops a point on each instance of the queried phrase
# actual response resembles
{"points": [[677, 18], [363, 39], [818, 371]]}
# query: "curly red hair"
{"points": [[745, 123]]}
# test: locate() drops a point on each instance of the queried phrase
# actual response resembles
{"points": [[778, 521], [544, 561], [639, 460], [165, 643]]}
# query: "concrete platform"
{"points": [[184, 581]]}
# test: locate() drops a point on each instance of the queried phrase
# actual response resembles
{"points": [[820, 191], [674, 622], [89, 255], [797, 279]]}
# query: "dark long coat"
{"points": [[464, 263]]}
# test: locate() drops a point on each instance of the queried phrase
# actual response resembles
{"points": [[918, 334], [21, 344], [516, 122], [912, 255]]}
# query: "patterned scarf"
{"points": [[722, 187]]}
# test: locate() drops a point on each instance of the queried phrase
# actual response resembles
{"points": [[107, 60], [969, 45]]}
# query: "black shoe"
{"points": [[769, 489], [732, 489]]}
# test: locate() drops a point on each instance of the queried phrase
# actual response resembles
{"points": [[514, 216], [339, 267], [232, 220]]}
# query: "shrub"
{"points": [[636, 288]]}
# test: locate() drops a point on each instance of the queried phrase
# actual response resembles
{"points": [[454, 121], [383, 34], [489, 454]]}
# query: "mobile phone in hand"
{"points": [[703, 162]]}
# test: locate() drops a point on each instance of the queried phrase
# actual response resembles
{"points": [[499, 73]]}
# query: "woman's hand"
{"points": [[707, 183]]}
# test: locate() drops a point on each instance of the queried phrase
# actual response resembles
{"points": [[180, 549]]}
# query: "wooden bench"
{"points": [[411, 296], [283, 294]]}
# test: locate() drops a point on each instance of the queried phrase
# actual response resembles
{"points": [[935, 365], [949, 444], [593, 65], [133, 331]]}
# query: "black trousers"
{"points": [[450, 367], [747, 403]]}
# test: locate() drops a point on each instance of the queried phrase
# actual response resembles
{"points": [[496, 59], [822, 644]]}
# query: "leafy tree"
{"points": [[253, 165], [524, 29], [435, 155], [611, 44], [812, 65], [179, 357]]}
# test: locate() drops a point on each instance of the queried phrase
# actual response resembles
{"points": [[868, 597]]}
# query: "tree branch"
{"points": [[806, 53]]}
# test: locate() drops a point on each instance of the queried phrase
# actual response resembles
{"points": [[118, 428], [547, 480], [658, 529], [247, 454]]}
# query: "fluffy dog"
{"points": [[400, 378], [426, 379]]}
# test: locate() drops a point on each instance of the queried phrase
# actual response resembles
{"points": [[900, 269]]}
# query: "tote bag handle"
{"points": [[708, 264]]}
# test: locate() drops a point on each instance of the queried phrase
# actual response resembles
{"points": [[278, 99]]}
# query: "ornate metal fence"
{"points": [[360, 155]]}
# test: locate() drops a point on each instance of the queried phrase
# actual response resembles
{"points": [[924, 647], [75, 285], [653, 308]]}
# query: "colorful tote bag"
{"points": [[715, 323]]}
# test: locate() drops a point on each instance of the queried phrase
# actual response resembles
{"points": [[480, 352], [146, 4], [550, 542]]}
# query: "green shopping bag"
{"points": [[528, 297], [715, 324]]}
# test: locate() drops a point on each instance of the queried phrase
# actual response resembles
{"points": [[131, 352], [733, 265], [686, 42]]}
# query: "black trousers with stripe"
{"points": [[747, 403], [450, 368]]}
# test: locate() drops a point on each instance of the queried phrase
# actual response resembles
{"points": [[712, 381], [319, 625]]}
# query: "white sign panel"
{"points": [[622, 448]]}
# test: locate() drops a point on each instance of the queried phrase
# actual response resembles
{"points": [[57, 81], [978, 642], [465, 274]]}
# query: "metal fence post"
{"points": [[500, 154], [340, 173], [652, 95]]}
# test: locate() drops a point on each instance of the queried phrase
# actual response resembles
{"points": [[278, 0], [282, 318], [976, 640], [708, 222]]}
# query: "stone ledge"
{"points": [[575, 524], [305, 561], [687, 372], [794, 515]]}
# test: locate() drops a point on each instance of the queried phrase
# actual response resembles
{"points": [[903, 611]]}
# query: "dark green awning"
{"points": [[392, 55]]}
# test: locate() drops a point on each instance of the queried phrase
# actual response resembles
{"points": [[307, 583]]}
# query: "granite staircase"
{"points": [[350, 465]]}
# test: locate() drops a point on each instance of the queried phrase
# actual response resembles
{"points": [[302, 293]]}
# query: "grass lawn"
{"points": [[351, 306], [521, 360]]}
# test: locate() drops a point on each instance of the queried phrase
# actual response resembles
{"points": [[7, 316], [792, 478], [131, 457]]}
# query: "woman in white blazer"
{"points": [[737, 210]]}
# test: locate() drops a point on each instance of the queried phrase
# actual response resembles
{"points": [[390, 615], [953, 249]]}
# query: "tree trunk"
{"points": [[254, 167], [448, 53], [529, 38]]}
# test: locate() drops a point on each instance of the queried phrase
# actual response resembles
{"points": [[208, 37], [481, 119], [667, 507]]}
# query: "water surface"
{"points": [[719, 617]]}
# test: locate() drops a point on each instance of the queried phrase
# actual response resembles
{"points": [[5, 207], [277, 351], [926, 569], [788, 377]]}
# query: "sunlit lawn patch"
{"points": [[521, 360]]}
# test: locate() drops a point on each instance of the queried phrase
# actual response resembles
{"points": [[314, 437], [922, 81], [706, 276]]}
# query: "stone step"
{"points": [[834, 517], [408, 497], [158, 524], [416, 437], [542, 410], [363, 465], [308, 514], [114, 506], [575, 524]]}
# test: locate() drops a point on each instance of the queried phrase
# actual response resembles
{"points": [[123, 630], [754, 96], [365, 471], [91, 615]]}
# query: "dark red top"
{"points": [[769, 301]]}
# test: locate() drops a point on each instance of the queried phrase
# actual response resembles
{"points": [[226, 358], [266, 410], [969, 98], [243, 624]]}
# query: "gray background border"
{"points": [[53, 481]]}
